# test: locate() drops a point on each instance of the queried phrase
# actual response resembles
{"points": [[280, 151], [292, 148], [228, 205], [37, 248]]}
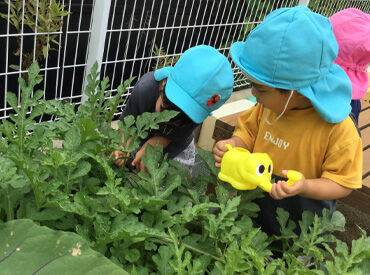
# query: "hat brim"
{"points": [[185, 102], [162, 73], [236, 52], [331, 95]]}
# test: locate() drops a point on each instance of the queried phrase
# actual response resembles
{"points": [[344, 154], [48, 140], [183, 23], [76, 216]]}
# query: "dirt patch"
{"points": [[353, 217]]}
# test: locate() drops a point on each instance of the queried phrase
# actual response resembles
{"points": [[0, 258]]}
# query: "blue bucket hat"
{"points": [[294, 49], [199, 83]]}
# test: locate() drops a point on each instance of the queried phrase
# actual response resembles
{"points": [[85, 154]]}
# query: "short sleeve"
{"points": [[143, 97], [343, 160], [180, 137], [248, 124]]}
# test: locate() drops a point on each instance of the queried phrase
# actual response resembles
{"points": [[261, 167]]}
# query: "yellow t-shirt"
{"points": [[301, 140]]}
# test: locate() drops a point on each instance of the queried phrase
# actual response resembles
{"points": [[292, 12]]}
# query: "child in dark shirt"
{"points": [[199, 83]]}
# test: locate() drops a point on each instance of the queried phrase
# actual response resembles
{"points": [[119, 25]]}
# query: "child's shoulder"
{"points": [[344, 134], [146, 84], [147, 78], [348, 126]]}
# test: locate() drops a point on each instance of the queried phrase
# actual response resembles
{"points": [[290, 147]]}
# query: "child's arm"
{"points": [[220, 148], [137, 162], [317, 189], [244, 135]]}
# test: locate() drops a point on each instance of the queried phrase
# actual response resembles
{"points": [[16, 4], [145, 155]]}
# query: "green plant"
{"points": [[160, 222], [162, 60], [45, 251], [40, 16], [329, 7]]}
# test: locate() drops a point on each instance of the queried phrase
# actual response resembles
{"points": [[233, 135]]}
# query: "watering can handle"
{"points": [[293, 176], [228, 146]]}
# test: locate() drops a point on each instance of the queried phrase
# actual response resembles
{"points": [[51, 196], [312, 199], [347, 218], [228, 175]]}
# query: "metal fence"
{"points": [[126, 37]]}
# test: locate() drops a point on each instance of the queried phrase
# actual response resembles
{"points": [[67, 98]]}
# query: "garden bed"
{"points": [[160, 222]]}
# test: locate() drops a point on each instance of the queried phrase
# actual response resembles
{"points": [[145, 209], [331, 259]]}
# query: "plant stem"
{"points": [[196, 250]]}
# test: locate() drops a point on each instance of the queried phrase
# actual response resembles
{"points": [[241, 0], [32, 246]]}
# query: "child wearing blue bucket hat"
{"points": [[302, 117], [199, 83]]}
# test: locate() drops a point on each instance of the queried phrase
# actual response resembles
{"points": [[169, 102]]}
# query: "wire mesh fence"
{"points": [[127, 38]]}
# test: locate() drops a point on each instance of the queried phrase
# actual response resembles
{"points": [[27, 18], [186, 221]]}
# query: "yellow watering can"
{"points": [[245, 170]]}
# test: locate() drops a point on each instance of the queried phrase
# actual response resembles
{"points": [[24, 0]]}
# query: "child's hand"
{"points": [[281, 190], [138, 163], [220, 149], [119, 157]]}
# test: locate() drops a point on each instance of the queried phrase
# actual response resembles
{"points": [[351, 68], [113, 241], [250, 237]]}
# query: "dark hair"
{"points": [[279, 89], [283, 90], [182, 119]]}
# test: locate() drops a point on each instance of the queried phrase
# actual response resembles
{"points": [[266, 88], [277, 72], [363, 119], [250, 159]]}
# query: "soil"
{"points": [[354, 218]]}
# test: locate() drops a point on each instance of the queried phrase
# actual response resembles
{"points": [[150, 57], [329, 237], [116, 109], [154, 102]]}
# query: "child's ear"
{"points": [[161, 84]]}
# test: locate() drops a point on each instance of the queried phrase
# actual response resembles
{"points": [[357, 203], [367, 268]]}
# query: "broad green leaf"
{"points": [[45, 251], [13, 187], [190, 213], [199, 265], [82, 170], [286, 226], [12, 100], [72, 139], [338, 221], [162, 259], [128, 227], [129, 120], [208, 160], [38, 110]]}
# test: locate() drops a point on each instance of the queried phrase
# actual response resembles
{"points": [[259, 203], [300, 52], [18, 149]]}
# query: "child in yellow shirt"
{"points": [[301, 119]]}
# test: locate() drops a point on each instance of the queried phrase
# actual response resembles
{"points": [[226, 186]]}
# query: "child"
{"points": [[301, 119], [352, 30], [200, 82]]}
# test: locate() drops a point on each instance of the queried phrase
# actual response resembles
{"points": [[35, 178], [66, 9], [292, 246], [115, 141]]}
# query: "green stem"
{"points": [[196, 250]]}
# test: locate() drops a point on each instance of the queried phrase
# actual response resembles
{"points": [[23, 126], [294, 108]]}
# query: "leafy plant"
{"points": [[45, 251], [40, 16], [14, 186], [163, 221], [162, 60], [329, 7]]}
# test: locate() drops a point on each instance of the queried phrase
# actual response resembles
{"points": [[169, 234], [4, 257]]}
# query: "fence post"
{"points": [[303, 3], [97, 37]]}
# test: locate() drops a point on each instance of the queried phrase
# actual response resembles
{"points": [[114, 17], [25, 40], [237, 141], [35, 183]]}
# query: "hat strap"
{"points": [[279, 116]]}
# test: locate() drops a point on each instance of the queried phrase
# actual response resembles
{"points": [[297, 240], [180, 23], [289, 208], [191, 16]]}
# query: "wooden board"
{"points": [[224, 127], [359, 200], [364, 119], [364, 125], [365, 134], [366, 166], [365, 185], [365, 105]]}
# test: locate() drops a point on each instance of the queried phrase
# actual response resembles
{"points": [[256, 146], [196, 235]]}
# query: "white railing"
{"points": [[123, 35]]}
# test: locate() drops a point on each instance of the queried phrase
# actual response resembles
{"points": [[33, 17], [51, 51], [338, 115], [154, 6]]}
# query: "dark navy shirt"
{"points": [[143, 99]]}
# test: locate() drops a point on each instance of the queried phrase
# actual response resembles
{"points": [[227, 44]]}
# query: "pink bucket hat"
{"points": [[352, 31]]}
